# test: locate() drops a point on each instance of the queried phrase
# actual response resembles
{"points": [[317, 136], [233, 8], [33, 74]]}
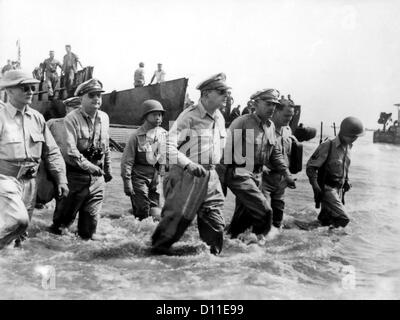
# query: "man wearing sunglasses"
{"points": [[24, 140], [192, 186], [87, 155], [250, 147], [327, 171]]}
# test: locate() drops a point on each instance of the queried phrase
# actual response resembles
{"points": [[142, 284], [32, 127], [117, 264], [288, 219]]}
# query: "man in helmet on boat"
{"points": [[327, 171]]}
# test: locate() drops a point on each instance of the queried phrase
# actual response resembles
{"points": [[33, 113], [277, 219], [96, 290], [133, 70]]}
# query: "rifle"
{"points": [[334, 129], [320, 138]]}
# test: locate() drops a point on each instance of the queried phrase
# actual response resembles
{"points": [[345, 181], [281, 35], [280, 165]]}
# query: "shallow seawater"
{"points": [[361, 261]]}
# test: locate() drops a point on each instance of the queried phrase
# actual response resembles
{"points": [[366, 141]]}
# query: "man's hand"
{"points": [[62, 190], [107, 177], [346, 186], [317, 193], [196, 169], [128, 189], [265, 170], [291, 182]]}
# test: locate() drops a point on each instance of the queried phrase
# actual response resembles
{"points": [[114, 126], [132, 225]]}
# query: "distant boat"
{"points": [[390, 134]]}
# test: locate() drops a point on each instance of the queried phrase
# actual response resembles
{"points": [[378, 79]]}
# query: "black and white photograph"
{"points": [[220, 151]]}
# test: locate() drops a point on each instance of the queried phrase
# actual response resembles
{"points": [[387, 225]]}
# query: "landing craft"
{"points": [[391, 134]]}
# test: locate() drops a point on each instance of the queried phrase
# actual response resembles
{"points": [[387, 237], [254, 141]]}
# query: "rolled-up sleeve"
{"points": [[128, 159]]}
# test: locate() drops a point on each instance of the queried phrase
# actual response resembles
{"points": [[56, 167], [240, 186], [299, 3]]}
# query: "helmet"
{"points": [[352, 126], [151, 106]]}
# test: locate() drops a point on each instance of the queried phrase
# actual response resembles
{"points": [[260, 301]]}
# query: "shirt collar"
{"points": [[258, 120], [141, 131], [338, 143], [204, 112], [85, 115], [13, 110]]}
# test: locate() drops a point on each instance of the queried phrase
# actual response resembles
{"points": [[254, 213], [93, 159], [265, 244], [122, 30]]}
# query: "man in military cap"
{"points": [[87, 155], [273, 181], [24, 141], [50, 71], [141, 161], [246, 157], [192, 186], [327, 171], [57, 129]]}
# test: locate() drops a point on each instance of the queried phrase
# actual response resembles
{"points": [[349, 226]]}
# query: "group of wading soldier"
{"points": [[198, 158]]}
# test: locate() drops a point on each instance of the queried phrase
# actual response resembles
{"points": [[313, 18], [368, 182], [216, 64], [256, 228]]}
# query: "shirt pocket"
{"points": [[83, 137], [37, 137]]}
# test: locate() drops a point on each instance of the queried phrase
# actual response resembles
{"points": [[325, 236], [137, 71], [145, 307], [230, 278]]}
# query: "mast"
{"points": [[398, 111], [19, 52]]}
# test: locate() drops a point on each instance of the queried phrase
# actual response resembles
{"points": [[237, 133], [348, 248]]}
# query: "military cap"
{"points": [[271, 95], [151, 106], [14, 78], [72, 102], [215, 82], [92, 85]]}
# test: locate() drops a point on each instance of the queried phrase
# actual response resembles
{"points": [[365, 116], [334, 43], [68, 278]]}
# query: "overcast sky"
{"points": [[336, 58]]}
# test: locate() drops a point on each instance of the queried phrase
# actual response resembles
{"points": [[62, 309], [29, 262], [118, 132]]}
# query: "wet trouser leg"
{"points": [[85, 196], [67, 208], [273, 186], [210, 220], [14, 218], [146, 195], [90, 209], [252, 206], [184, 194], [332, 209]]}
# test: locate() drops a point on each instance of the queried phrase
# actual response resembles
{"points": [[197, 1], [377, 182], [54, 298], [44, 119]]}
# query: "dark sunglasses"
{"points": [[223, 92], [91, 95], [27, 88]]}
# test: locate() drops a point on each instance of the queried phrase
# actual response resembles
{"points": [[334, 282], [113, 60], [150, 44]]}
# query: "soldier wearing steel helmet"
{"points": [[327, 171], [141, 161], [87, 155]]}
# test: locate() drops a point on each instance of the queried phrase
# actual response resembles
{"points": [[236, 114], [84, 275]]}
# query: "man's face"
{"points": [[68, 49], [219, 98], [283, 117], [21, 95], [51, 54], [91, 100], [159, 67], [154, 118], [264, 109]]}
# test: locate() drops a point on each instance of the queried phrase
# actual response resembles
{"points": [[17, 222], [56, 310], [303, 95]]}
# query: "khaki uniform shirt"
{"points": [[254, 144], [338, 163], [284, 143], [144, 151], [26, 137], [196, 136], [81, 133]]}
